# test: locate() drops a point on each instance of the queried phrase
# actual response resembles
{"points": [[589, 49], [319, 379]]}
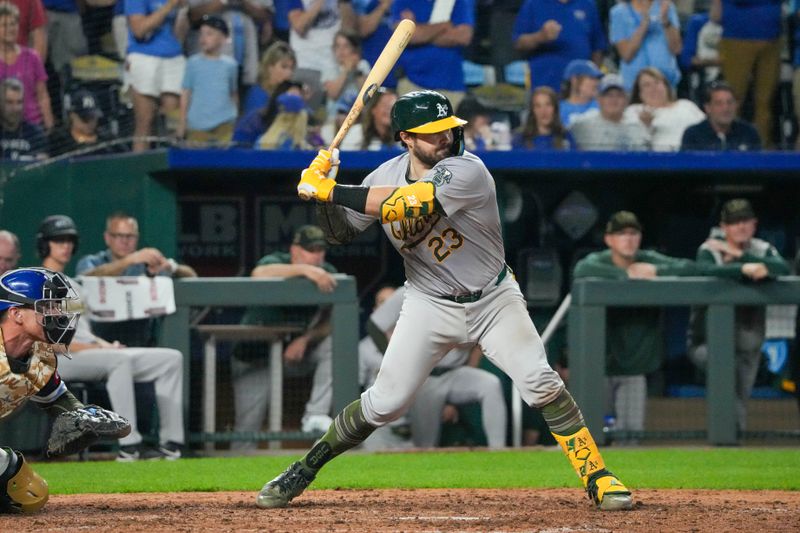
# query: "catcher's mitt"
{"points": [[75, 430]]}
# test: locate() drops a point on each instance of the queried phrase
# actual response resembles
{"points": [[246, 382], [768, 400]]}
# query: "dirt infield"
{"points": [[559, 511]]}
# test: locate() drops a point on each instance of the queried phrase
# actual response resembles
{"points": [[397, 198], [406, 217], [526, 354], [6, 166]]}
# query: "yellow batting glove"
{"points": [[326, 162], [314, 184], [322, 162]]}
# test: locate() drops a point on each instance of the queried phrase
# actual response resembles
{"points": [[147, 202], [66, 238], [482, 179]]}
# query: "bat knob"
{"points": [[305, 192]]}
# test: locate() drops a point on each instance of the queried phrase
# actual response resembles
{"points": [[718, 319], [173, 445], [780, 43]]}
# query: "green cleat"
{"points": [[608, 493], [281, 490]]}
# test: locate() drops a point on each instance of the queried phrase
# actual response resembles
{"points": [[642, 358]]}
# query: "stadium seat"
{"points": [[516, 73], [476, 75]]}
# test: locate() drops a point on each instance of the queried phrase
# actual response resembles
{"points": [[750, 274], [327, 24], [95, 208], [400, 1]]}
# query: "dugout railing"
{"points": [[587, 337], [199, 293]]}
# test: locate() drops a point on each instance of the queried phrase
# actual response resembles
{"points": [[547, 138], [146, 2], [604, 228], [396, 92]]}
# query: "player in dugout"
{"points": [[438, 207]]}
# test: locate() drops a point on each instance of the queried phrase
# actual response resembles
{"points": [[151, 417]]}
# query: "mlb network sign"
{"points": [[211, 235], [279, 217]]}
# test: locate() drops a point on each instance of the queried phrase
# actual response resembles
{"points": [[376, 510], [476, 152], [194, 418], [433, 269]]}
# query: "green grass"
{"points": [[711, 468]]}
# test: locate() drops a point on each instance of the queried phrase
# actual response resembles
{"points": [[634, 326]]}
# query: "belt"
{"points": [[471, 297]]}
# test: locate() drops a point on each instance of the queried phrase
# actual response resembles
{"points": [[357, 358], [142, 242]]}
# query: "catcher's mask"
{"points": [[427, 112], [49, 294]]}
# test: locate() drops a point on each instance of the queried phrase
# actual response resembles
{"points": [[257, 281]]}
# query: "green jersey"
{"points": [[283, 315], [634, 338]]}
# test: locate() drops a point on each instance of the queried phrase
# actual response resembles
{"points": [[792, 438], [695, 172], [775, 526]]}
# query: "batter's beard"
{"points": [[429, 160]]}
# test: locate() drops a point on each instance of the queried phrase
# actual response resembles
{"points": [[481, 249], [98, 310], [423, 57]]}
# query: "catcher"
{"points": [[38, 314]]}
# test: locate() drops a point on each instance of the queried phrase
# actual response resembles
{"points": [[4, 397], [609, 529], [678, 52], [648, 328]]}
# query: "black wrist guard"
{"points": [[352, 196]]}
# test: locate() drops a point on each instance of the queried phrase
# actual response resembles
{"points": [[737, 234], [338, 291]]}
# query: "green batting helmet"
{"points": [[423, 112]]}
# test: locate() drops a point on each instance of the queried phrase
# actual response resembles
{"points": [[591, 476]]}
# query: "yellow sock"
{"points": [[582, 453]]}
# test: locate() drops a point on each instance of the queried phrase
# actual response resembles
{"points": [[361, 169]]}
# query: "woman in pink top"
{"points": [[24, 64]]}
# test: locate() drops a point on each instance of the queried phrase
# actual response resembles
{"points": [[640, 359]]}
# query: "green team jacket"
{"points": [[634, 338], [266, 316], [747, 317], [275, 315]]}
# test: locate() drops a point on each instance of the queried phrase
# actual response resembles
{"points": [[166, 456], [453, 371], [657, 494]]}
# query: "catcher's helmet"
{"points": [[53, 227], [423, 112], [48, 293]]}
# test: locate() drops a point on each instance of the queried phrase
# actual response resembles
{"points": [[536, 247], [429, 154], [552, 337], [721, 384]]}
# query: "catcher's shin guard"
{"points": [[603, 488], [21, 489]]}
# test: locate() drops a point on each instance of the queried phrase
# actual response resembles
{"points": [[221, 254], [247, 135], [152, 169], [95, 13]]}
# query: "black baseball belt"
{"points": [[471, 297]]}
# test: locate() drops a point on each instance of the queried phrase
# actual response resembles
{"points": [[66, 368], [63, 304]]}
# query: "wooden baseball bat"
{"points": [[383, 65]]}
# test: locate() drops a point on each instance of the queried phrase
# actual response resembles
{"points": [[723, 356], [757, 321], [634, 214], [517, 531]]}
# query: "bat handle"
{"points": [[303, 190]]}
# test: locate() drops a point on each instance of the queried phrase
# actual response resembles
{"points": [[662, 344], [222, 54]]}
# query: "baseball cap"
{"points": [[218, 23], [581, 67], [611, 81], [84, 104], [737, 210], [310, 236], [622, 220]]}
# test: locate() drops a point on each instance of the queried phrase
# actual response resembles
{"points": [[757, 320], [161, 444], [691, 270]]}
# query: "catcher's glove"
{"points": [[75, 430]]}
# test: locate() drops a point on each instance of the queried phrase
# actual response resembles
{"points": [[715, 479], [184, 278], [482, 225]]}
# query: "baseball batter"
{"points": [[438, 207]]}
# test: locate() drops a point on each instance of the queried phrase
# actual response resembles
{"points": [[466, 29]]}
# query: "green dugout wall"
{"points": [[88, 190]]}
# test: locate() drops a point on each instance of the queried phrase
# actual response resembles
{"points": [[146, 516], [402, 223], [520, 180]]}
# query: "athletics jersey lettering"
{"points": [[412, 231], [457, 249]]}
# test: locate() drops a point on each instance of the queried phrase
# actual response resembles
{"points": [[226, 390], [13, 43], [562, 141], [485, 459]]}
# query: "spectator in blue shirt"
{"points": [[154, 64], [435, 55], [243, 18], [543, 129], [699, 58], [280, 22], [750, 51], [646, 33], [554, 32], [253, 125], [375, 27], [210, 97], [277, 66], [581, 79], [721, 130], [287, 122]]}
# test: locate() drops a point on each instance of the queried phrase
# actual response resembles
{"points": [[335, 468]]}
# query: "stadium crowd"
{"points": [[114, 75]]}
